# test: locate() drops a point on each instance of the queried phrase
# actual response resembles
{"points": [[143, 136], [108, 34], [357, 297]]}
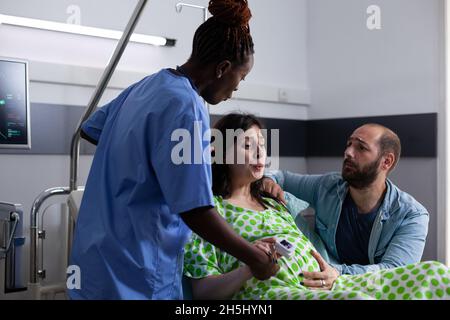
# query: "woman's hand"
{"points": [[271, 187], [324, 279]]}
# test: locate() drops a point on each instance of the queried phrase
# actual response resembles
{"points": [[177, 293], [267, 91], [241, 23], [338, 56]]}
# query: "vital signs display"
{"points": [[14, 104]]}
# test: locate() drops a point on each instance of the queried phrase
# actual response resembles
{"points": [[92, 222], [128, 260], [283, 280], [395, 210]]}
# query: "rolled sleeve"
{"points": [[94, 125], [302, 186]]}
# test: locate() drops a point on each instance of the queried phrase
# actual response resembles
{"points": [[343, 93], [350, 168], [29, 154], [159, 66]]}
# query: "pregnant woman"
{"points": [[256, 216]]}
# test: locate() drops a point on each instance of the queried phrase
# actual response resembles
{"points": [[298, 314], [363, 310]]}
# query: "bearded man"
{"points": [[365, 221]]}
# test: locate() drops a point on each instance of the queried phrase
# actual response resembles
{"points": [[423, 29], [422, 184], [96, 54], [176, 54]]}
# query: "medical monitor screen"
{"points": [[14, 104]]}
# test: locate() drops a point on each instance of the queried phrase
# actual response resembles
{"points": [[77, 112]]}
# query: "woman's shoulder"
{"points": [[221, 204], [274, 204], [218, 202]]}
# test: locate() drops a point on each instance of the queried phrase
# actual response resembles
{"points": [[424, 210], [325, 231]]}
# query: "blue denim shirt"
{"points": [[399, 231]]}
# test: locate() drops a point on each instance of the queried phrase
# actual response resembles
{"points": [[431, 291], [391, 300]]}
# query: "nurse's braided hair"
{"points": [[225, 35]]}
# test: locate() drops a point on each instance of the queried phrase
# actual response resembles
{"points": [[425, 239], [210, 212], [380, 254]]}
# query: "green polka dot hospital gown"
{"points": [[425, 280]]}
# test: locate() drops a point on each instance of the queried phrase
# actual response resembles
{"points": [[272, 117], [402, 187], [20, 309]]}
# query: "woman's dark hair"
{"points": [[225, 35], [221, 172]]}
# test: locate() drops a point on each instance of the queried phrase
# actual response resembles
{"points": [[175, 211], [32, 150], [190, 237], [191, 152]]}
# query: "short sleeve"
{"points": [[200, 259], [182, 162], [94, 125]]}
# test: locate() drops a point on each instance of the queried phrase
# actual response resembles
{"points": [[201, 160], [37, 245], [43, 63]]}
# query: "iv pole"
{"points": [[178, 7], [101, 86]]}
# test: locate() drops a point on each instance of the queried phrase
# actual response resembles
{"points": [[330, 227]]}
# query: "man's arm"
{"points": [[209, 225], [300, 185], [406, 247]]}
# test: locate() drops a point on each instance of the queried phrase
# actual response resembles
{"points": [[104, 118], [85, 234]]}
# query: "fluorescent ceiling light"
{"points": [[87, 31]]}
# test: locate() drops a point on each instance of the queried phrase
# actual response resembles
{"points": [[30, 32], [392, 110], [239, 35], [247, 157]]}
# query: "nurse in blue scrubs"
{"points": [[139, 205]]}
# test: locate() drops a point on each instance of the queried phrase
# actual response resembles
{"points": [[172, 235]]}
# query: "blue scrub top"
{"points": [[129, 236]]}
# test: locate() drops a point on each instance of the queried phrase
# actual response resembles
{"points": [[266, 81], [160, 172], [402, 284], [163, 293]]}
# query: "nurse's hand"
{"points": [[268, 246], [267, 266], [271, 187]]}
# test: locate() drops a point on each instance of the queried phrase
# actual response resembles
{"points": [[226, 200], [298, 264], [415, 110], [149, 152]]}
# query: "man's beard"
{"points": [[361, 178]]}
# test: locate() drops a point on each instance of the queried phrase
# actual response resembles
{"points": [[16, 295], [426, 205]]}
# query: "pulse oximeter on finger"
{"points": [[284, 247]]}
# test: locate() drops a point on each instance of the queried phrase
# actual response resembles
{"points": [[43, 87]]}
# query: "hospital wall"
{"points": [[64, 70]]}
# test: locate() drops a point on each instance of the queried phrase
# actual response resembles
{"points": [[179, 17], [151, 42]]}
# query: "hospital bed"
{"points": [[304, 220]]}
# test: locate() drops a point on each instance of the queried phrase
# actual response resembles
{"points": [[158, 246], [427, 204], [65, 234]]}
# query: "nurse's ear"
{"points": [[222, 68]]}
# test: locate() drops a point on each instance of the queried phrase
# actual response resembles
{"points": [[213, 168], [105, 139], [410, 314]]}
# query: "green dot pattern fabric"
{"points": [[425, 280]]}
